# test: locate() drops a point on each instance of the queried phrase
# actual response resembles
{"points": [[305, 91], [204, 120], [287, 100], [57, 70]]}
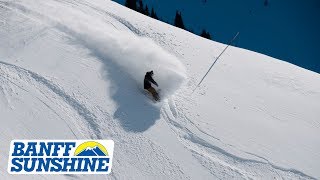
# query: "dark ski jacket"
{"points": [[148, 80]]}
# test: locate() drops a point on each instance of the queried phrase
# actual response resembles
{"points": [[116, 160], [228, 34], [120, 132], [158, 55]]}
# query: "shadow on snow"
{"points": [[135, 111]]}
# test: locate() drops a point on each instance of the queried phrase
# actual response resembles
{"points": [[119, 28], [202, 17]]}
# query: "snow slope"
{"points": [[73, 69]]}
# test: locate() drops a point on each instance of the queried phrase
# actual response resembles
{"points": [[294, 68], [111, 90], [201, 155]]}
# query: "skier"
{"points": [[147, 85]]}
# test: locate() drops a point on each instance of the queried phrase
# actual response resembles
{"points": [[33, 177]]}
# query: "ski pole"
{"points": [[216, 61]]}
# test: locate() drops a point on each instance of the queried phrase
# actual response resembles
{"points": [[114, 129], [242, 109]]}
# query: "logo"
{"points": [[60, 156]]}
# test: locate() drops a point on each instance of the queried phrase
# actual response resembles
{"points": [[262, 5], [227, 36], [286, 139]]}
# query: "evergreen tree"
{"points": [[132, 4], [141, 10], [178, 22], [146, 11], [153, 14], [205, 34]]}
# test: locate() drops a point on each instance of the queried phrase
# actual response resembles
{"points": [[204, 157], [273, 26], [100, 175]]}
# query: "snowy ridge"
{"points": [[73, 69]]}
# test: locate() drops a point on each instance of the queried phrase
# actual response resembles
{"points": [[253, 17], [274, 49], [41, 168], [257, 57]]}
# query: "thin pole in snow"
{"points": [[216, 61]]}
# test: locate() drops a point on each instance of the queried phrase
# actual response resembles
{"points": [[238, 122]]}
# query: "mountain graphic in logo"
{"points": [[96, 151], [91, 148]]}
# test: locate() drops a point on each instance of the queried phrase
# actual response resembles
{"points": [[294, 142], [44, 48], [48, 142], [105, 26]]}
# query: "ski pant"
{"points": [[154, 93]]}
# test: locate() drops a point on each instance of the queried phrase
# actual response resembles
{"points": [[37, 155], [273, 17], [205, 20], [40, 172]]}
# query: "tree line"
{"points": [[137, 5]]}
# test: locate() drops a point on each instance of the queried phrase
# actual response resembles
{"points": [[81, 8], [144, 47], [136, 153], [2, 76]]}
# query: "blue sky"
{"points": [[285, 29]]}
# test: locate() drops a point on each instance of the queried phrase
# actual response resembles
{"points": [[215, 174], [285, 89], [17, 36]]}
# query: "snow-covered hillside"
{"points": [[73, 69]]}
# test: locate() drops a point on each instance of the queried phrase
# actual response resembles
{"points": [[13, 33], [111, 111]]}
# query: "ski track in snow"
{"points": [[47, 105], [230, 162], [72, 102]]}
